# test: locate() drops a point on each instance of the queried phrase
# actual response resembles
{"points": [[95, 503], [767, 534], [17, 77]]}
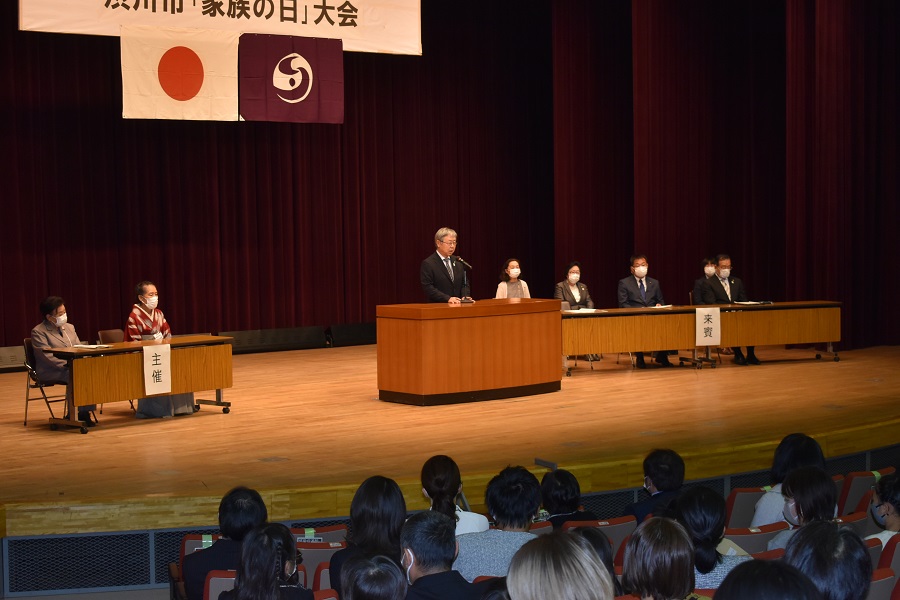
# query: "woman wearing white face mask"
{"points": [[885, 503], [809, 495], [571, 289], [147, 322], [512, 286]]}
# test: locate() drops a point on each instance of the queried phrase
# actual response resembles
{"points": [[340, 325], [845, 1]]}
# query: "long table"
{"points": [[114, 373], [443, 353], [647, 329]]}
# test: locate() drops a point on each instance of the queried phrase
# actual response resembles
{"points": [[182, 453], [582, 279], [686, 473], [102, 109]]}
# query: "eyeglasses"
{"points": [[453, 243]]}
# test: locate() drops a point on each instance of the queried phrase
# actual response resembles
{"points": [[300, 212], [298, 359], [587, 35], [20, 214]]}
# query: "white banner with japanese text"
{"points": [[158, 369], [709, 330], [383, 26]]}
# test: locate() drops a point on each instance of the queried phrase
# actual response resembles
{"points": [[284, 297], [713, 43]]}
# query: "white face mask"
{"points": [[641, 272], [709, 270], [725, 273], [61, 319], [515, 273], [790, 513], [152, 301], [573, 278], [409, 566], [879, 518]]}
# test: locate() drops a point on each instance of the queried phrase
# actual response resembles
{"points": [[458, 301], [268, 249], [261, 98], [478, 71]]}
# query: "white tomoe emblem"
{"points": [[292, 73]]}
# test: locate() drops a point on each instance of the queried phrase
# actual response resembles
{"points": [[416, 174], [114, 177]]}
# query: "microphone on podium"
{"points": [[463, 263]]}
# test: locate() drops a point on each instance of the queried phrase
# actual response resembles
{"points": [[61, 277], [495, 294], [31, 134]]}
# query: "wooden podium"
{"points": [[443, 354]]}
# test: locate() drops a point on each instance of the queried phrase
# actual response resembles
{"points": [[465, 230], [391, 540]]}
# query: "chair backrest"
{"points": [[111, 336], [883, 582], [769, 554], [741, 505], [856, 484], [755, 539], [29, 359], [709, 593], [325, 595], [318, 552], [329, 533], [890, 555], [541, 528], [218, 582], [858, 522], [617, 530], [874, 548], [322, 577], [192, 542]]}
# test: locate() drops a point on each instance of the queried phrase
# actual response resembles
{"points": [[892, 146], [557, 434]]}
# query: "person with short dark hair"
{"points": [[571, 289], [442, 485], [709, 269], [603, 547], [834, 558], [794, 451], [702, 513], [267, 567], [659, 561], [240, 511], [561, 497], [377, 513], [725, 289], [663, 478], [428, 548], [55, 331], [769, 580], [885, 506], [513, 498], [558, 565], [809, 495], [639, 291], [375, 578]]}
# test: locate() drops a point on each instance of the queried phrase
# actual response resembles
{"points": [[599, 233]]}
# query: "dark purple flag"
{"points": [[294, 79]]}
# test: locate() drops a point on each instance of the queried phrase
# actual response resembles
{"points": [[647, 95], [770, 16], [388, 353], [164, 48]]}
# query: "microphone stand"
{"points": [[466, 300]]}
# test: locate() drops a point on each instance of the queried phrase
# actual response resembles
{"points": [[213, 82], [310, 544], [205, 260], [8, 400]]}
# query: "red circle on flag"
{"points": [[180, 73]]}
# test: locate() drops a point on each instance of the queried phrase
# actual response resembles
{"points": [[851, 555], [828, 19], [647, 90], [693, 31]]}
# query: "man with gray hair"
{"points": [[442, 275]]}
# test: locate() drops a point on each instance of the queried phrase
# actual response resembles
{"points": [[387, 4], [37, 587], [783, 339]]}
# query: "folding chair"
{"points": [[218, 582], [33, 382], [617, 530], [755, 539], [856, 484], [741, 505]]}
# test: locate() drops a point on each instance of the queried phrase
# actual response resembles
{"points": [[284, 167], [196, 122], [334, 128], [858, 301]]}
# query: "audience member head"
{"points": [[809, 495], [49, 305], [495, 589], [603, 547], [241, 510], [886, 502], [573, 272], [659, 561], [834, 558], [377, 513], [767, 579], [663, 471], [376, 578], [723, 265], [560, 492], [427, 544], [709, 266], [639, 265], [513, 497], [558, 565], [511, 267], [441, 483], [268, 559], [794, 451], [702, 513]]}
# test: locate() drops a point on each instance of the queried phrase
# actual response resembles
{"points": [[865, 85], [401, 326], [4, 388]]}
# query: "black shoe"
{"points": [[639, 362], [663, 361], [740, 360], [752, 360], [85, 418]]}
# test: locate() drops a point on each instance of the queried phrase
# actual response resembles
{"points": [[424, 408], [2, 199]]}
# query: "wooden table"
{"points": [[648, 329], [443, 353], [115, 373]]}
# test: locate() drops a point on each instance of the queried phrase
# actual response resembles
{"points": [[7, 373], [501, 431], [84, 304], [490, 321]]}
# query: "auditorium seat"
{"points": [[755, 539], [325, 595], [33, 382], [741, 505], [856, 484], [326, 533], [874, 548], [890, 555], [315, 553], [321, 577], [858, 522], [769, 554], [883, 582], [541, 528], [218, 582], [617, 530]]}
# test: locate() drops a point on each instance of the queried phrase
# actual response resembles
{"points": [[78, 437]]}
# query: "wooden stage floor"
{"points": [[306, 428]]}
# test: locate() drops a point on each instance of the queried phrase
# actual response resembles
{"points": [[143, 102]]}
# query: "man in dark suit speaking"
{"points": [[639, 291], [442, 275], [722, 288]]}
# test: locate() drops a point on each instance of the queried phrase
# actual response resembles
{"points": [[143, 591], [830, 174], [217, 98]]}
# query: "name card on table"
{"points": [[158, 369], [709, 330]]}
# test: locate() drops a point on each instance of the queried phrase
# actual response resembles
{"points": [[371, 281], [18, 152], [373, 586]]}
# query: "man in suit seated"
{"points": [[663, 478], [428, 548], [240, 511], [722, 288], [442, 276], [639, 291]]}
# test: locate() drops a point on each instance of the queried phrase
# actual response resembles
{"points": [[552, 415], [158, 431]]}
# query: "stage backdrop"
{"points": [[576, 130]]}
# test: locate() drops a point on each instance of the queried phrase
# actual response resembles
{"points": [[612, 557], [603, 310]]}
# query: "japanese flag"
{"points": [[179, 74]]}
